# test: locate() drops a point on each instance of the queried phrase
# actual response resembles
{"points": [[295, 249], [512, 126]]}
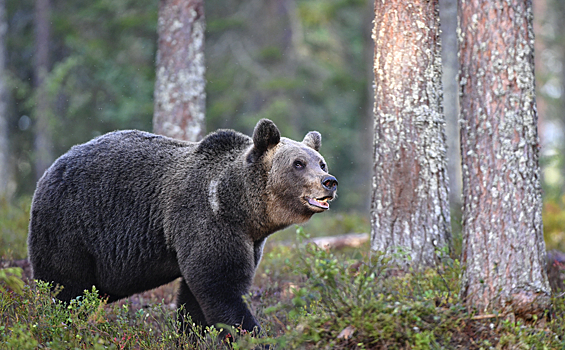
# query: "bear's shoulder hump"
{"points": [[222, 141]]}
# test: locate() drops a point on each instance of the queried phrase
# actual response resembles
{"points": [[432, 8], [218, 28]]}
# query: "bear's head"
{"points": [[298, 182]]}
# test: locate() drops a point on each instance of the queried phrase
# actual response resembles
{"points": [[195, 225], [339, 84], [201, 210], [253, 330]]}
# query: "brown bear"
{"points": [[130, 211]]}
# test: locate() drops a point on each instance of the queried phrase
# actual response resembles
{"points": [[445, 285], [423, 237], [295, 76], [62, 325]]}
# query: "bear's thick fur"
{"points": [[130, 211]]}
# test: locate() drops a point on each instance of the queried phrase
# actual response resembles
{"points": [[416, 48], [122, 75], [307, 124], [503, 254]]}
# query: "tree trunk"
{"points": [[180, 96], [450, 65], [43, 142], [410, 208], [503, 247], [539, 9], [4, 152]]}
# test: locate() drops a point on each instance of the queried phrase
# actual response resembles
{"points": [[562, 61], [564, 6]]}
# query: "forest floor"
{"points": [[413, 311]]}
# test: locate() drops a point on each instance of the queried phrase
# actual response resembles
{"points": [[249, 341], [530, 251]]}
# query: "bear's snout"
{"points": [[329, 183]]}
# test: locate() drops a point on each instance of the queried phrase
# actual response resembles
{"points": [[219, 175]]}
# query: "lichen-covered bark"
{"points": [[180, 97], [503, 247], [43, 140], [4, 166], [410, 186]]}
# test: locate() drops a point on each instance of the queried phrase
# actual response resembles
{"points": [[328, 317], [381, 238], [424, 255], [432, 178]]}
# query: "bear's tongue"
{"points": [[319, 204]]}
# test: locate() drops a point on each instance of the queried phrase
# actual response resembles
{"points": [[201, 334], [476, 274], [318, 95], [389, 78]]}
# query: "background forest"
{"points": [[304, 64]]}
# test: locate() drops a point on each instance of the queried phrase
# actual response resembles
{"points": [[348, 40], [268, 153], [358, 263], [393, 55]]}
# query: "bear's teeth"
{"points": [[321, 203]]}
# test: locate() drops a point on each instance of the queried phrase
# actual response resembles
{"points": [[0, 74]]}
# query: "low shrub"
{"points": [[335, 302], [35, 319]]}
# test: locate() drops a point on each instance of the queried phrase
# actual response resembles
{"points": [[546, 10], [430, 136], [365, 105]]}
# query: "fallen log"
{"points": [[354, 240]]}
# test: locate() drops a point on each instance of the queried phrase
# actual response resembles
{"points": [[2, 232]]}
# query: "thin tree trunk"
{"points": [[539, 9], [503, 247], [4, 151], [180, 97], [43, 142], [410, 193], [450, 65], [561, 113]]}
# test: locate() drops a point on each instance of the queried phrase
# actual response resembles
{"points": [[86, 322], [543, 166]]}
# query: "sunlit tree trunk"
{"points": [[180, 97], [43, 142], [4, 152], [503, 247], [410, 186]]}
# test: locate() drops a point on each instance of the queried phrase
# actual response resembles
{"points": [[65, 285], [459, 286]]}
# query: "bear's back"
{"points": [[127, 158], [105, 192]]}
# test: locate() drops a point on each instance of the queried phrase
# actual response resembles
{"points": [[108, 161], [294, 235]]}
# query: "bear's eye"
{"points": [[298, 164], [323, 166]]}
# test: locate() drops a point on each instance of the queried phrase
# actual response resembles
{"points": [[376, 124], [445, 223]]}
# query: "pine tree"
{"points": [[180, 97], [503, 247], [410, 186]]}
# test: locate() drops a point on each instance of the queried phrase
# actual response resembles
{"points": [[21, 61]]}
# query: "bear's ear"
{"points": [[313, 139], [265, 136]]}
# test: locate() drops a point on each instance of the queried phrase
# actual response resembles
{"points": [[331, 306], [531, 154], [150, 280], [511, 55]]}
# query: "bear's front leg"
{"points": [[218, 275], [189, 306]]}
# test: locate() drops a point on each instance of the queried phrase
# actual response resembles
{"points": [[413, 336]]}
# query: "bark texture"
{"points": [[410, 185], [180, 97], [4, 153], [43, 142], [503, 247]]}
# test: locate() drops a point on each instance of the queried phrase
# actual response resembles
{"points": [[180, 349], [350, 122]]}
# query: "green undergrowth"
{"points": [[33, 319], [331, 301], [304, 297]]}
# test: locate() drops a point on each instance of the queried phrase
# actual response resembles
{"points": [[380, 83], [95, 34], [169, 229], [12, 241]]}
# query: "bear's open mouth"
{"points": [[319, 202]]}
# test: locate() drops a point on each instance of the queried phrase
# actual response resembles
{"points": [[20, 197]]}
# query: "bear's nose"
{"points": [[329, 182]]}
